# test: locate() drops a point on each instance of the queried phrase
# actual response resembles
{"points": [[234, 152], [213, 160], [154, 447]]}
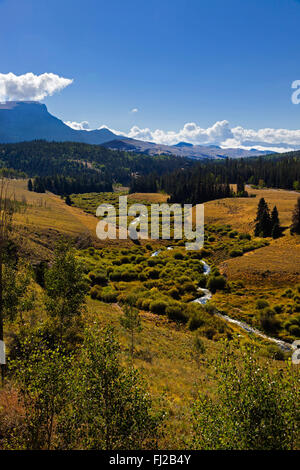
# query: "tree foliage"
{"points": [[256, 407]]}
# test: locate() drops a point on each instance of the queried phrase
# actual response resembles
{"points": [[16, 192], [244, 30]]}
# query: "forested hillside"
{"points": [[41, 158], [206, 181]]}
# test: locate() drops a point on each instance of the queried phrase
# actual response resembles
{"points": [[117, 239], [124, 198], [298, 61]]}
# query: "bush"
{"points": [[189, 287], [244, 236], [235, 253], [95, 292], [178, 256], [152, 273], [98, 277], [197, 319], [108, 295], [288, 293], [255, 406], [215, 283], [295, 330], [158, 307], [278, 308], [176, 313], [275, 352], [209, 332], [261, 304], [174, 293], [268, 321], [129, 276], [232, 234]]}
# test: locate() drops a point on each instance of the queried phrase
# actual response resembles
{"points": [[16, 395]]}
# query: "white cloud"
{"points": [[78, 126], [134, 110], [220, 133], [190, 132], [30, 86]]}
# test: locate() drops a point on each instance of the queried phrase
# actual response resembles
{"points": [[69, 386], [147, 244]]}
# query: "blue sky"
{"points": [[177, 62]]}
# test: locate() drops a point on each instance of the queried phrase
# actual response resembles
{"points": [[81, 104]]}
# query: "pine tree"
{"points": [[263, 225], [29, 185], [295, 227], [275, 223], [240, 189], [68, 200]]}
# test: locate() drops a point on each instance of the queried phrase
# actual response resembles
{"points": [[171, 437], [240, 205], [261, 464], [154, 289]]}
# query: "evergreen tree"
{"points": [[263, 225], [29, 185], [295, 228], [275, 223], [68, 200], [240, 188]]}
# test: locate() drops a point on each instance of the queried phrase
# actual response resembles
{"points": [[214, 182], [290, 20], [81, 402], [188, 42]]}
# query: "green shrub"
{"points": [[268, 320], [152, 273], [129, 276], [209, 332], [196, 320], [278, 308], [261, 304], [235, 253], [146, 304], [142, 276], [108, 295], [275, 352], [95, 292], [288, 293], [115, 275], [98, 277], [232, 234], [178, 256], [176, 313], [189, 287], [158, 307], [216, 283], [244, 236], [295, 330], [174, 293]]}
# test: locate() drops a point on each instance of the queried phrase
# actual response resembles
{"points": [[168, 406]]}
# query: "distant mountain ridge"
{"points": [[30, 120], [190, 151]]}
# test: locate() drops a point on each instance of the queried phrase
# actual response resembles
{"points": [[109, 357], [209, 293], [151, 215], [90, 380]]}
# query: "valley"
{"points": [[163, 287]]}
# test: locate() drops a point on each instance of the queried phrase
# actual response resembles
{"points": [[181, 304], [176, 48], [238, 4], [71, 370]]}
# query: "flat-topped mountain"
{"points": [[30, 120]]}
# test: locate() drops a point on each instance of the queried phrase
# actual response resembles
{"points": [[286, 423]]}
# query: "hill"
{"points": [[183, 149]]}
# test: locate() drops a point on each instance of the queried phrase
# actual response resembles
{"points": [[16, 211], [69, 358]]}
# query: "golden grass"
{"points": [[152, 198], [241, 212], [277, 263]]}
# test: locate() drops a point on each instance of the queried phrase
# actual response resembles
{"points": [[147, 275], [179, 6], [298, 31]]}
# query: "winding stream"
{"points": [[207, 295]]}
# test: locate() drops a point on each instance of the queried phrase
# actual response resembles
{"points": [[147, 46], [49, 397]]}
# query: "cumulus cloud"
{"points": [[220, 133], [134, 110], [78, 126], [30, 86]]}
